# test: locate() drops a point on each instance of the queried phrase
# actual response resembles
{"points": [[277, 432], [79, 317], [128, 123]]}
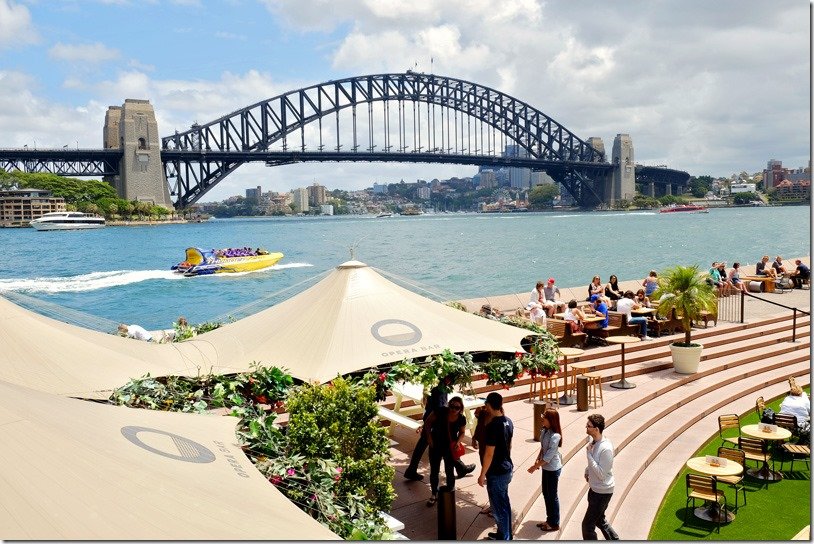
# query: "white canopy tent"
{"points": [[351, 320], [79, 470]]}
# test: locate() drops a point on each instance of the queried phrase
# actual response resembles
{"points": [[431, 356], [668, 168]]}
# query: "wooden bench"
{"points": [[560, 330], [398, 419], [626, 329], [615, 326]]}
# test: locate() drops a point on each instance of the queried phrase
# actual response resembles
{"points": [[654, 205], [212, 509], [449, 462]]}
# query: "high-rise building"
{"points": [[423, 192], [519, 178], [773, 174], [299, 197], [488, 179], [316, 195]]}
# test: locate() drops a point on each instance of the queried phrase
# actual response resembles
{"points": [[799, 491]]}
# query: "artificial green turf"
{"points": [[776, 513]]}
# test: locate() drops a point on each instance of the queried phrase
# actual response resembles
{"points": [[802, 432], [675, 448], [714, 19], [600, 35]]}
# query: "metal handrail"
{"points": [[794, 309]]}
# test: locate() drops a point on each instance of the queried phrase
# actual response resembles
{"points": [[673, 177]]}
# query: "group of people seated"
{"points": [[732, 280], [238, 252]]}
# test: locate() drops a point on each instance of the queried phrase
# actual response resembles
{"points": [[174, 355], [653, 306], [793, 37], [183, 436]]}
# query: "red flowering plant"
{"points": [[543, 356]]}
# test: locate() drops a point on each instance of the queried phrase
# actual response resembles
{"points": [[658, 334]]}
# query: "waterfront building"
{"points": [[316, 195], [299, 197], [423, 193], [255, 193], [773, 174], [20, 206], [326, 209], [379, 188], [735, 188]]}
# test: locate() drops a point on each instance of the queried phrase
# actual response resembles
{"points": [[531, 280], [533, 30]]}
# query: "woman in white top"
{"points": [[797, 403], [574, 315]]}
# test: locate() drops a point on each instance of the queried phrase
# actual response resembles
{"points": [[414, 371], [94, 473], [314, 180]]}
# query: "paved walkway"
{"points": [[421, 521]]}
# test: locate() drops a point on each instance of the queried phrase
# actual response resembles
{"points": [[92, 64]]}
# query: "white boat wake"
{"points": [[104, 280]]}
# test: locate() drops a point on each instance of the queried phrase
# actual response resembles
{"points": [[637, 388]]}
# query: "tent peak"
{"points": [[351, 264]]}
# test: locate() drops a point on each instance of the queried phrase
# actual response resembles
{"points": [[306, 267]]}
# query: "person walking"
{"points": [[550, 460], [496, 471], [444, 430], [599, 475], [484, 418], [438, 397]]}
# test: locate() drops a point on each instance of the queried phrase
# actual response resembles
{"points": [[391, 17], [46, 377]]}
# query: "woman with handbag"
{"points": [[444, 431], [550, 460]]}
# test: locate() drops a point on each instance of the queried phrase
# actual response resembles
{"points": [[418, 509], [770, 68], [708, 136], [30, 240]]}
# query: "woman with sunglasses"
{"points": [[550, 460], [444, 430]]}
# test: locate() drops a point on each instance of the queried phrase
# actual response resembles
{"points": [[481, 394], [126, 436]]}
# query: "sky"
{"points": [[712, 88]]}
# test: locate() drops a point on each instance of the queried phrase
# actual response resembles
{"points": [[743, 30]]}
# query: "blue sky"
{"points": [[711, 88]]}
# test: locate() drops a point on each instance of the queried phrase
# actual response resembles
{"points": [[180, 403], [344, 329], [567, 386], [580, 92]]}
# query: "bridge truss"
{"points": [[63, 162], [410, 117]]}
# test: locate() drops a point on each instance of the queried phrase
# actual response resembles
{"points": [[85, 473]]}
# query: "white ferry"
{"points": [[68, 221]]}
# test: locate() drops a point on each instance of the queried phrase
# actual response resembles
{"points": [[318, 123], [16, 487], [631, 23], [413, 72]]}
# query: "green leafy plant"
{"points": [[457, 305], [543, 355], [503, 372], [685, 290], [337, 421], [446, 370]]}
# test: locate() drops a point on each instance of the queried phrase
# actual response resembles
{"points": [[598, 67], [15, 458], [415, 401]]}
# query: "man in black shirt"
{"points": [[802, 272], [497, 468]]}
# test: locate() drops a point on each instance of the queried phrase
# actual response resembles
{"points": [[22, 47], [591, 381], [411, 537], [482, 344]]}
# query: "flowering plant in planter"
{"points": [[446, 370], [543, 356], [503, 371]]}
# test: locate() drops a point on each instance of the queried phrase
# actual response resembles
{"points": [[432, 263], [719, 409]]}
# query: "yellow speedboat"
{"points": [[224, 261]]}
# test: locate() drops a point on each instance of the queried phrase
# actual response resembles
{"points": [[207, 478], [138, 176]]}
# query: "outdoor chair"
{"points": [[787, 421], [760, 405], [797, 449], [756, 449], [726, 422], [736, 481], [704, 488]]}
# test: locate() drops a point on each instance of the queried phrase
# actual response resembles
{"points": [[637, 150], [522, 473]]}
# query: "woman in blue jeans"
{"points": [[550, 461]]}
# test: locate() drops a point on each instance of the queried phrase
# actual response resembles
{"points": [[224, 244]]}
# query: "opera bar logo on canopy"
{"points": [[399, 333], [168, 444]]}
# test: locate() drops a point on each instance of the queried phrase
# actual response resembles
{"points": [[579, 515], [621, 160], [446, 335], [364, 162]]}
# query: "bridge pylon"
{"points": [[133, 128]]}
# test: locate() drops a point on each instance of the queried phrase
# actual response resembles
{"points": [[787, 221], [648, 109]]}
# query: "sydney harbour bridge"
{"points": [[401, 117]]}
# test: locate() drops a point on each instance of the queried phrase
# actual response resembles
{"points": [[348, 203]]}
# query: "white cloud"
{"points": [[16, 28], [83, 53]]}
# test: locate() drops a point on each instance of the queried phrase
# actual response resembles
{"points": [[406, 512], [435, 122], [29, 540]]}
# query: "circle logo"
{"points": [[183, 449], [396, 332]]}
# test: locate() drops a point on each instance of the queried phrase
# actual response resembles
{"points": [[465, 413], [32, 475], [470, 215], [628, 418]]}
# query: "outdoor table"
{"points": [[713, 511], [567, 399], [643, 312], [622, 340], [764, 472], [559, 315]]}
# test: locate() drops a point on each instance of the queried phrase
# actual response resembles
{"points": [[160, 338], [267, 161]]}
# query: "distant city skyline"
{"points": [[710, 88]]}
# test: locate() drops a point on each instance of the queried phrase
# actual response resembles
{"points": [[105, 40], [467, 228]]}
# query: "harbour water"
{"points": [[121, 274]]}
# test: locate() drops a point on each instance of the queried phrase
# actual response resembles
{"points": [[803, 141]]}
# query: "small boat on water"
{"points": [[224, 261], [675, 208], [384, 214], [68, 221]]}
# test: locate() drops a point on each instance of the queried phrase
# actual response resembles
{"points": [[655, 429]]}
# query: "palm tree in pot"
{"points": [[685, 290]]}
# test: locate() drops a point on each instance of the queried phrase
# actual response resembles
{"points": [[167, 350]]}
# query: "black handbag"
{"points": [[767, 416]]}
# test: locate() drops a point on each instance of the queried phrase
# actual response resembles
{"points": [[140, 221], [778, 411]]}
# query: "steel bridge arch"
{"points": [[205, 154]]}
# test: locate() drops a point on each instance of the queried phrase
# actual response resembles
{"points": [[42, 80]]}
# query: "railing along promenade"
{"points": [[792, 308]]}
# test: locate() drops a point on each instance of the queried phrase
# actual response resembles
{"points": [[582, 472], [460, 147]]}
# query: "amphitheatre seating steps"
{"points": [[641, 434], [633, 516], [409, 506], [666, 389]]}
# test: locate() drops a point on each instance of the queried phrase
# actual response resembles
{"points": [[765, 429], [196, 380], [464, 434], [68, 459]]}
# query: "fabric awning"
{"points": [[352, 320], [80, 470]]}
